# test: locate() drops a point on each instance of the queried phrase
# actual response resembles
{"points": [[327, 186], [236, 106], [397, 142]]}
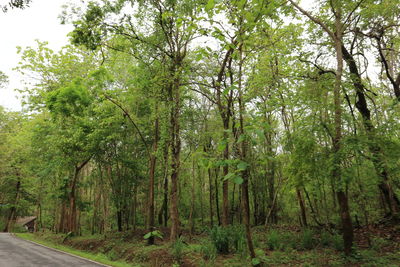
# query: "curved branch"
{"points": [[131, 120]]}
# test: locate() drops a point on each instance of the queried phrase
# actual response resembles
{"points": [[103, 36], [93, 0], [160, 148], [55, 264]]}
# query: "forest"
{"points": [[212, 133]]}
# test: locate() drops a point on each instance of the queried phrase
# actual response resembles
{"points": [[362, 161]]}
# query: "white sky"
{"points": [[21, 28]]}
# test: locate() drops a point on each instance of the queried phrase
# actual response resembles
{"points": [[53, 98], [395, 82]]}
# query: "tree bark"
{"points": [[175, 147], [347, 226], [71, 221], [153, 158], [302, 208]]}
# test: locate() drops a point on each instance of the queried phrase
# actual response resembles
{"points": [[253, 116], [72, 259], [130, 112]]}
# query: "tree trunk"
{"points": [[153, 158], [225, 185], [72, 216], [336, 173], [302, 208], [246, 172], [175, 148], [193, 196], [217, 196]]}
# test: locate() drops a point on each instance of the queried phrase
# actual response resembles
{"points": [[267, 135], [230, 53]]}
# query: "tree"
{"points": [[21, 4], [336, 36]]}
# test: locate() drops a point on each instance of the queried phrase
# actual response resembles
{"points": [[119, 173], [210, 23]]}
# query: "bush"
{"points": [[326, 239], [227, 239], [378, 244], [337, 242], [307, 240], [18, 229], [208, 250], [277, 240], [220, 238], [177, 249], [274, 240], [281, 241], [238, 239]]}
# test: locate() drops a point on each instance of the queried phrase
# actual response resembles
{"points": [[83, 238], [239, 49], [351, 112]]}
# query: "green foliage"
{"points": [[178, 248], [193, 66], [378, 244], [228, 239], [155, 233], [18, 229], [208, 250], [276, 240], [3, 79], [69, 100], [220, 236], [307, 239]]}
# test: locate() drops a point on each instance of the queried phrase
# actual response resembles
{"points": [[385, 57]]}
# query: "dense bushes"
{"points": [[228, 239], [304, 240]]}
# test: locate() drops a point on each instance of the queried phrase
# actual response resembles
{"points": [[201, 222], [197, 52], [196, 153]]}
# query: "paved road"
{"points": [[15, 252]]}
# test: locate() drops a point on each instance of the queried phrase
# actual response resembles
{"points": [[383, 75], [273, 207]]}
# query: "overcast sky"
{"points": [[21, 28]]}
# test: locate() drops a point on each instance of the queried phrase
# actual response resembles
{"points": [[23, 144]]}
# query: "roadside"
{"points": [[97, 258]]}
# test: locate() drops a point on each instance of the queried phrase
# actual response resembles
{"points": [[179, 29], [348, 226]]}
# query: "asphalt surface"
{"points": [[15, 252]]}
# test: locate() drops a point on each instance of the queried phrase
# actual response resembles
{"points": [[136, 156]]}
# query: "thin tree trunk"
{"points": [[153, 158], [225, 185], [302, 208], [245, 173], [211, 197], [193, 196], [342, 197], [217, 196]]}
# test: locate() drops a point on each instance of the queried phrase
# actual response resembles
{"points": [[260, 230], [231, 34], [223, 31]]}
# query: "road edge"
{"points": [[57, 250]]}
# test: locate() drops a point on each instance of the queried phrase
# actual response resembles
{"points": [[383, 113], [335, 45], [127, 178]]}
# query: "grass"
{"points": [[99, 257]]}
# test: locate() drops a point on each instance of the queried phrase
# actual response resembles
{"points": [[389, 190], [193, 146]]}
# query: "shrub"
{"points": [[18, 229], [208, 250], [337, 241], [378, 244], [227, 239], [274, 240], [238, 239], [112, 255], [277, 240], [220, 238], [307, 240], [177, 249], [326, 239]]}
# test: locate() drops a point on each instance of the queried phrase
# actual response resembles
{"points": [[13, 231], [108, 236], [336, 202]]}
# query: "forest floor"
{"points": [[379, 245]]}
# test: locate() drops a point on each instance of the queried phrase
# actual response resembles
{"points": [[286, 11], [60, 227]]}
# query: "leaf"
{"points": [[229, 176], [241, 138], [238, 180], [148, 235], [255, 261], [221, 146], [210, 5], [260, 133], [242, 166], [155, 233]]}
